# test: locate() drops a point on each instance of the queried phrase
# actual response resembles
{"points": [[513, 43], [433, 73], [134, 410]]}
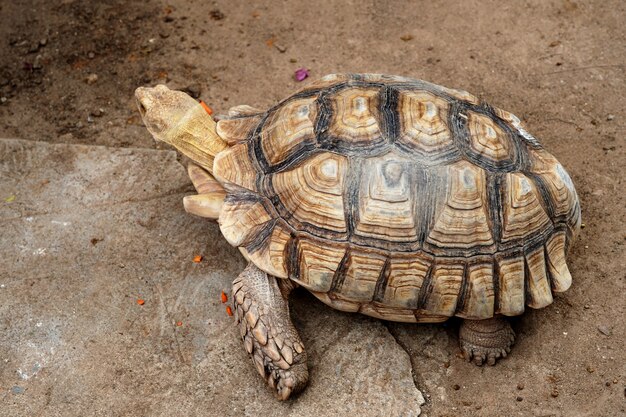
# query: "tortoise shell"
{"points": [[399, 199]]}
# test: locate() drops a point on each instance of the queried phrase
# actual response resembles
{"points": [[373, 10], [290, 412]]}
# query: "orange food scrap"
{"points": [[197, 258], [141, 302], [270, 42], [207, 108], [224, 297], [229, 311], [179, 323]]}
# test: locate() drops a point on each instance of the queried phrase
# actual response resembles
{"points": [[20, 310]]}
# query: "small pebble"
{"points": [[520, 386], [519, 398], [554, 43], [590, 369], [586, 306], [554, 393], [607, 383], [91, 79], [17, 390], [406, 37], [280, 48], [37, 63], [97, 113], [3, 99], [604, 330], [456, 387], [43, 42], [89, 119], [293, 60], [610, 117], [216, 14], [91, 55]]}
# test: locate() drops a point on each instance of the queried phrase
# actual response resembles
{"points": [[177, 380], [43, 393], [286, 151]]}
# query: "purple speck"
{"points": [[301, 74]]}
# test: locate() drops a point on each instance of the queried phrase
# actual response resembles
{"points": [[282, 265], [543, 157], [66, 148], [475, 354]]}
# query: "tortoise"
{"points": [[384, 195]]}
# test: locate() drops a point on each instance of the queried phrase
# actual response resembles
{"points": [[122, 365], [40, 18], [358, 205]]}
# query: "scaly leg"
{"points": [[486, 340], [267, 332]]}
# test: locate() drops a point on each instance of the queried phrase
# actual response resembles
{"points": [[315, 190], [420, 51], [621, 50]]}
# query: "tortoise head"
{"points": [[162, 110], [176, 118]]}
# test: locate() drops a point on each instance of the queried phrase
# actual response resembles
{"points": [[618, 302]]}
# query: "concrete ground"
{"points": [[94, 231]]}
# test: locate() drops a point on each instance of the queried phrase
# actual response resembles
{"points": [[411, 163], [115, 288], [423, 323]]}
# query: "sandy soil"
{"points": [[68, 70]]}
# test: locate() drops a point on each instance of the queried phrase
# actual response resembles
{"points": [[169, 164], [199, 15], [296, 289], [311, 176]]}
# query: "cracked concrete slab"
{"points": [[89, 231]]}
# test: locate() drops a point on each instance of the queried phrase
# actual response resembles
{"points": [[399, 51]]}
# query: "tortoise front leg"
{"points": [[486, 340], [267, 332]]}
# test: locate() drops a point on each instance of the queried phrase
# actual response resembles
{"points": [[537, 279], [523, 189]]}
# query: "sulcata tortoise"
{"points": [[382, 195]]}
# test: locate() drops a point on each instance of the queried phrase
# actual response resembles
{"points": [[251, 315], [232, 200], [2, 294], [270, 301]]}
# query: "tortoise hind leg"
{"points": [[486, 340], [267, 332]]}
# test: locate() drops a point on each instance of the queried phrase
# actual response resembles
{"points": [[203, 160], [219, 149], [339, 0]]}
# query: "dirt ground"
{"points": [[68, 70]]}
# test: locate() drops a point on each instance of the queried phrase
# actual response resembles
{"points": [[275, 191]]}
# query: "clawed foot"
{"points": [[268, 334], [486, 341], [282, 377]]}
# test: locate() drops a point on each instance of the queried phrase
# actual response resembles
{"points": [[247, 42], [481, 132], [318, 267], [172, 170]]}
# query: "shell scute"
{"points": [[406, 277], [316, 268], [480, 294], [445, 286], [312, 192], [423, 126], [463, 221], [354, 119], [288, 130], [386, 200], [511, 285]]}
